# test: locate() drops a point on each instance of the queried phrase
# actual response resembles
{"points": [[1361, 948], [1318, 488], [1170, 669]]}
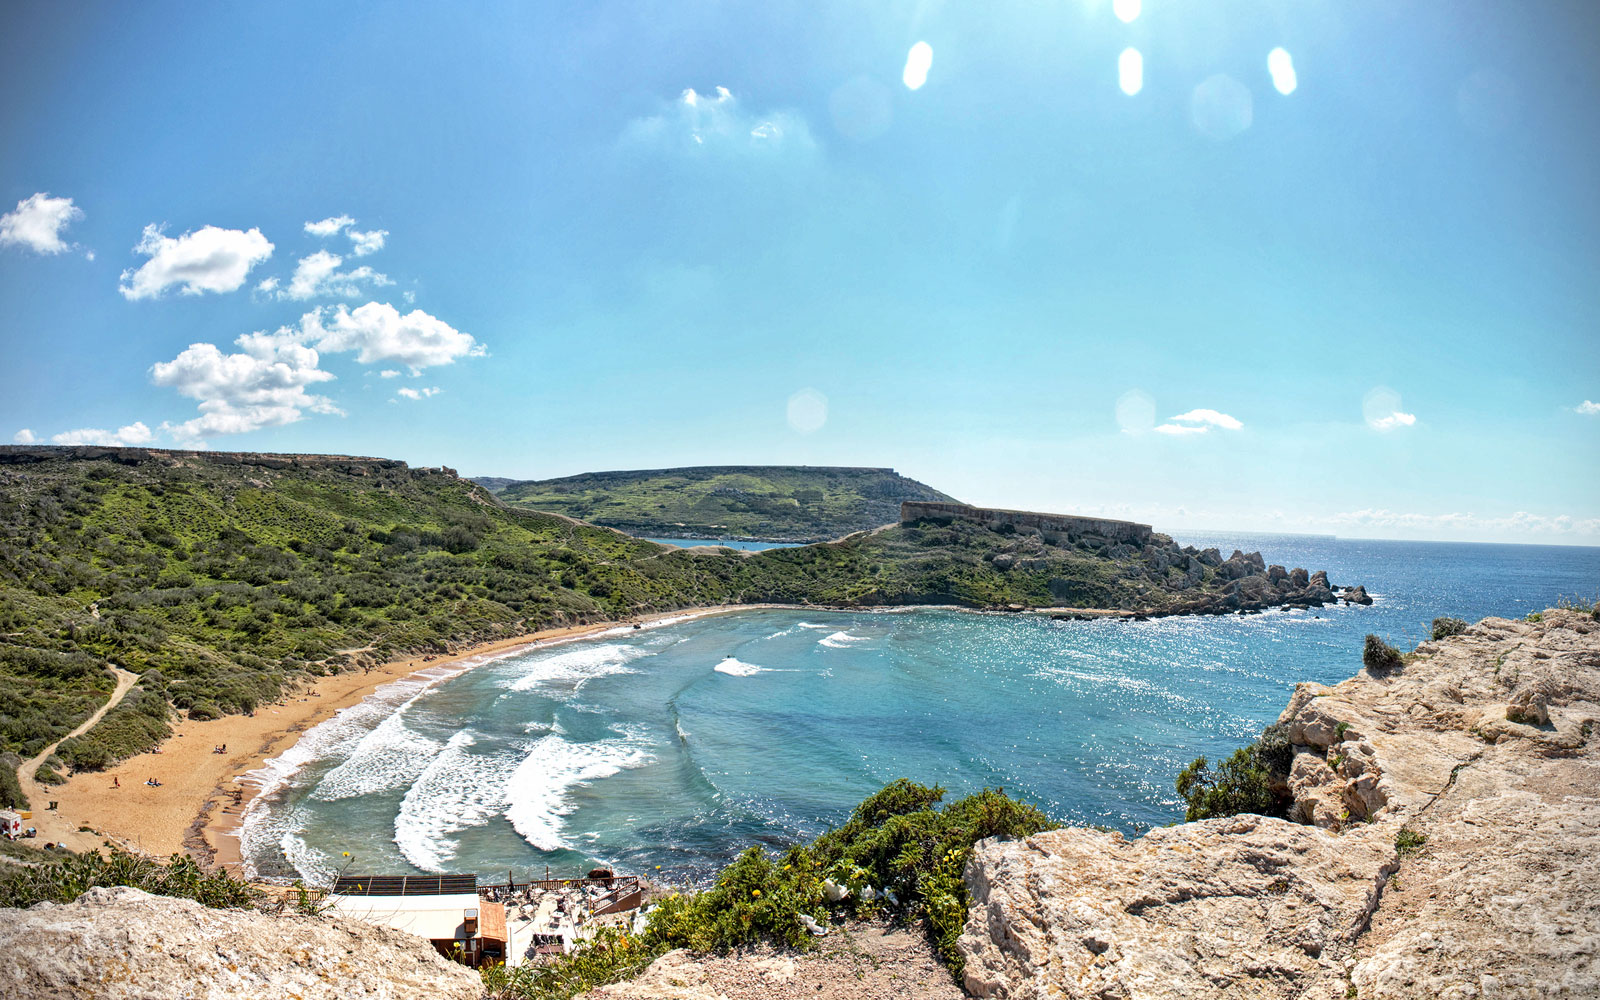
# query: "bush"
{"points": [[47, 775], [11, 796], [1244, 783], [69, 878], [895, 841], [1443, 628], [1408, 841], [1379, 655]]}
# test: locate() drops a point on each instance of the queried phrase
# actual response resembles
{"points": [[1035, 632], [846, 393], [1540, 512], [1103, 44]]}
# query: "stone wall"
{"points": [[1117, 531]]}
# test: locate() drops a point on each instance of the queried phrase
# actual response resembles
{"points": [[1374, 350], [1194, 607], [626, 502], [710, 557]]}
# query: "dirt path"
{"points": [[54, 827]]}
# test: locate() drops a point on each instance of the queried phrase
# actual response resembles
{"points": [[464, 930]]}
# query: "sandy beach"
{"points": [[193, 810]]}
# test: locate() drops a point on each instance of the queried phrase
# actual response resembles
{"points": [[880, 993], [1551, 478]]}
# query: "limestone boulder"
{"points": [[125, 944]]}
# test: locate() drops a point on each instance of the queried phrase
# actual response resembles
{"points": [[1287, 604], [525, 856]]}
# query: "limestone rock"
{"points": [[1357, 595], [125, 944], [1502, 899]]}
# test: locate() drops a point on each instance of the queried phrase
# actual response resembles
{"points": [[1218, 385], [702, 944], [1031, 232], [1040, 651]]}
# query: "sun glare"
{"points": [[918, 61], [1130, 71], [1127, 10]]}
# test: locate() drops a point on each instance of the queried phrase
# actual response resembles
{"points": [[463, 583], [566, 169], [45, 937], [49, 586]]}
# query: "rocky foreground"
{"points": [[1449, 847], [124, 944]]}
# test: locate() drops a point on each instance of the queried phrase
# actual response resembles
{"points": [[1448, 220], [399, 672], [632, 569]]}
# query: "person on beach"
{"points": [[116, 782]]}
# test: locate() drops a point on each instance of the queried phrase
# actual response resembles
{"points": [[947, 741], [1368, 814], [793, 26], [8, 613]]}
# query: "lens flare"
{"points": [[918, 61], [1130, 71], [1126, 10], [1281, 66]]}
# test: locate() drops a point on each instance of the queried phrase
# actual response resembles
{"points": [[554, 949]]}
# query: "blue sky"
{"points": [[536, 240]]}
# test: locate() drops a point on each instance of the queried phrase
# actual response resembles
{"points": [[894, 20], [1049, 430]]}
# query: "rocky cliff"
{"points": [[124, 944], [1449, 846]]}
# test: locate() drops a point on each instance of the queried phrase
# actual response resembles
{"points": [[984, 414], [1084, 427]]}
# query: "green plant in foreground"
{"points": [[65, 880], [1409, 841], [896, 842], [1443, 628], [1252, 780], [1379, 655], [1534, 616]]}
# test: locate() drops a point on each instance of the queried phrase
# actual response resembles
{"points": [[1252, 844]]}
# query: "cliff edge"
{"points": [[1450, 848], [125, 944]]}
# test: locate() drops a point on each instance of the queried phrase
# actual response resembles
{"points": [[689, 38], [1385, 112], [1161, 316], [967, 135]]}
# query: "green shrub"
{"points": [[1443, 628], [1379, 655], [47, 775], [1409, 841], [11, 796], [895, 840], [69, 878], [1534, 616]]}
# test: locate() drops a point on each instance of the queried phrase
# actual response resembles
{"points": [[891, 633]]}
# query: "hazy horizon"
{"points": [[1307, 267]]}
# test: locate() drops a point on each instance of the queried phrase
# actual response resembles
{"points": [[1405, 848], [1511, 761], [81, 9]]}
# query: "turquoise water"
{"points": [[732, 543], [681, 744]]}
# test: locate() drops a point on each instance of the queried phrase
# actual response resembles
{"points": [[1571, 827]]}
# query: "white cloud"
{"points": [[1199, 422], [23, 436], [318, 275], [1390, 421], [378, 331], [268, 285], [1521, 522], [264, 385], [1588, 409], [207, 260], [388, 373], [367, 242], [133, 434], [704, 123], [329, 226], [38, 222], [411, 393]]}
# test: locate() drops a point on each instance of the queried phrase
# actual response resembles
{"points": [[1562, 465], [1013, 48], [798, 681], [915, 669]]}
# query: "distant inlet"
{"points": [[1117, 531]]}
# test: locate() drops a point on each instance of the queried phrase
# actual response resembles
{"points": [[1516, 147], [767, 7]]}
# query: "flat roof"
{"points": [[437, 917], [404, 885]]}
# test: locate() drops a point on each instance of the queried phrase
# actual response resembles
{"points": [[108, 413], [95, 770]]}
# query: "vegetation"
{"points": [[63, 880], [780, 503], [898, 855], [1444, 628], [1409, 841], [1254, 779], [227, 581], [1379, 655]]}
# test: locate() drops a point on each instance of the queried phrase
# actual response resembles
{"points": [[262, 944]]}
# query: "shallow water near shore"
{"points": [[681, 744]]}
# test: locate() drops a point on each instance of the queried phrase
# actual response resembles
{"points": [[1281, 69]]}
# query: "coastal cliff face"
{"points": [[1450, 847], [124, 944]]}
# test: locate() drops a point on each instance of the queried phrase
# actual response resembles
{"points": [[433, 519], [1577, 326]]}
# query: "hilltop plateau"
{"points": [[768, 502]]}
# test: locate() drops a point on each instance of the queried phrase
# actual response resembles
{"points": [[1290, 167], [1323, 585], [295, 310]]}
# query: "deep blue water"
{"points": [[732, 543], [681, 744]]}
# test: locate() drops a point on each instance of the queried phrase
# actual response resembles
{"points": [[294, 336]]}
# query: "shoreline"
{"points": [[194, 812]]}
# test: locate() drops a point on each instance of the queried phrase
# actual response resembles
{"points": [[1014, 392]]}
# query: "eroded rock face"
{"points": [[124, 944], [1501, 899]]}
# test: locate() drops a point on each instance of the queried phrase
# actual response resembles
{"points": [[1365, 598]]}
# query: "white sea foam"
{"points": [[390, 756], [572, 669], [458, 791], [539, 788], [841, 640], [809, 625], [739, 668], [315, 867]]}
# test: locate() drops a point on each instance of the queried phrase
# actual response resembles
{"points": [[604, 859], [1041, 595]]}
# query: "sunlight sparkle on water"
{"points": [[1127, 10], [1130, 71], [1281, 66], [918, 61]]}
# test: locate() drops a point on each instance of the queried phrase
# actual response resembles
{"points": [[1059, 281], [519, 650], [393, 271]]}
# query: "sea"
{"points": [[668, 749]]}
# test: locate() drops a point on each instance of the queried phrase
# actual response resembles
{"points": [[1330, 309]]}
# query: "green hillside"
{"points": [[224, 580], [770, 502]]}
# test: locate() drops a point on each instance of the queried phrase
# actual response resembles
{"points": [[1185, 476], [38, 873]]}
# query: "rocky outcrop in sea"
{"points": [[1444, 843]]}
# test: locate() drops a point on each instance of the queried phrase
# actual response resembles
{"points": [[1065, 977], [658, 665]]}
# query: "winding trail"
{"points": [[52, 826]]}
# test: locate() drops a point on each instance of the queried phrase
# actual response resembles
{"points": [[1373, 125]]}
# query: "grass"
{"points": [[1408, 841]]}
